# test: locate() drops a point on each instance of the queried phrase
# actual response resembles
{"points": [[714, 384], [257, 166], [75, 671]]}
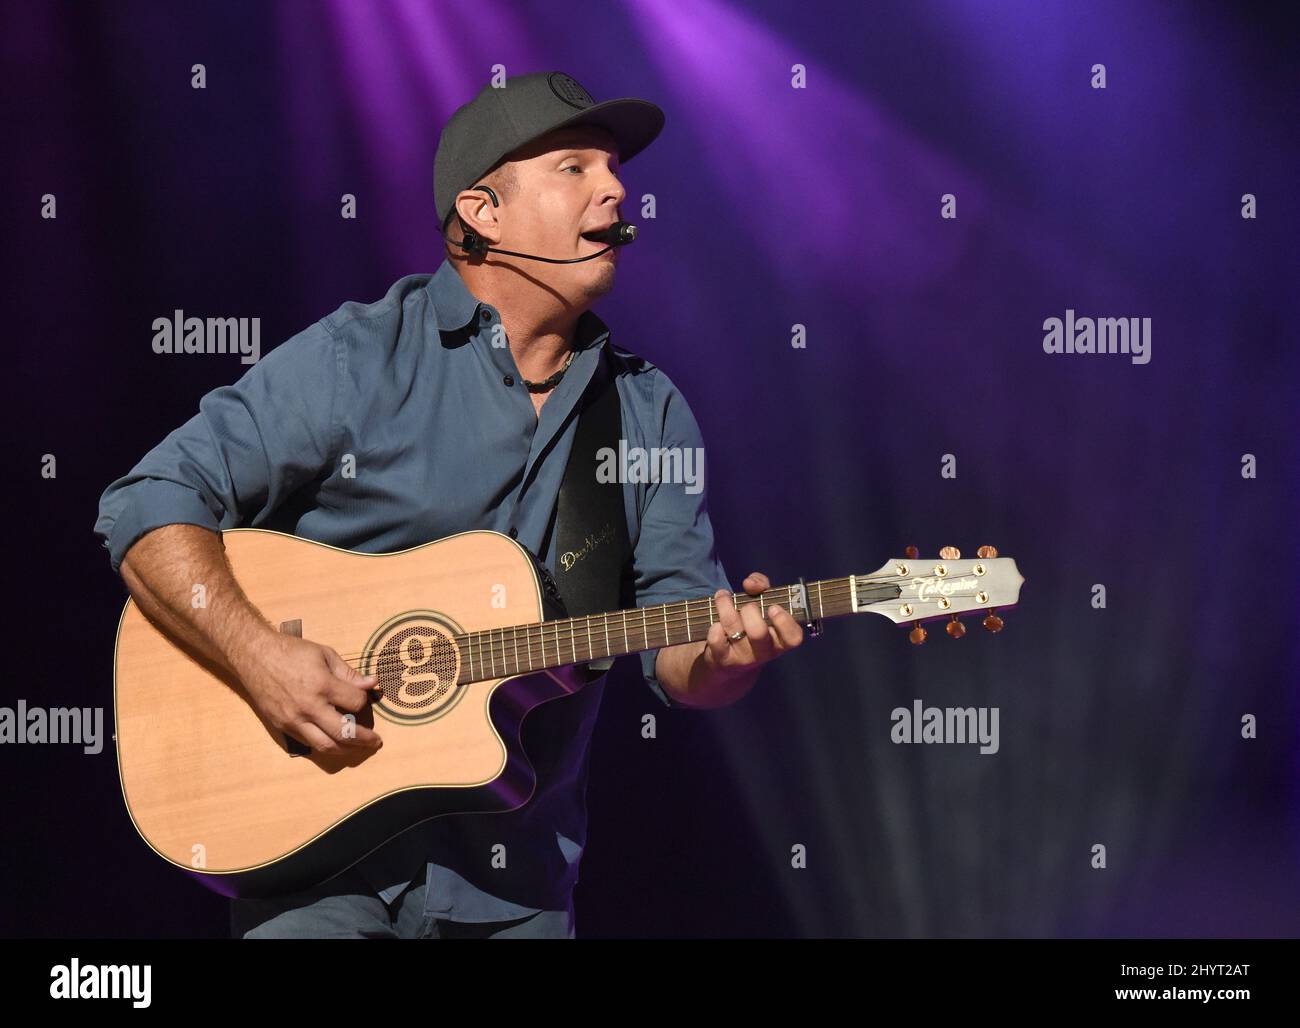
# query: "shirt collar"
{"points": [[455, 307]]}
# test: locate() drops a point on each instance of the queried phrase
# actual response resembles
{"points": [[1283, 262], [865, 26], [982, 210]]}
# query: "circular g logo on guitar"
{"points": [[417, 664]]}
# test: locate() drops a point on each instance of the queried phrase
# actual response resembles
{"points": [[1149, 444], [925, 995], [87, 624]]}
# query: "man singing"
{"points": [[446, 406]]}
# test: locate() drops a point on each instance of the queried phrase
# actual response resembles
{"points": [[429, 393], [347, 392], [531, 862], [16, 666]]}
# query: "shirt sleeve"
{"points": [[250, 446], [675, 557]]}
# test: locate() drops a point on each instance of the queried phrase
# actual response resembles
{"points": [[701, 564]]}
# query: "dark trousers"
{"points": [[346, 907]]}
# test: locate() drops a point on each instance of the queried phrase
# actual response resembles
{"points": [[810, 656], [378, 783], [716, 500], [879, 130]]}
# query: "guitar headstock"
{"points": [[911, 589]]}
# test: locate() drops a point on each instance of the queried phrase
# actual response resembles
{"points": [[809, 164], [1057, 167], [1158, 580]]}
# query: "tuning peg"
{"points": [[992, 622], [955, 628], [987, 552], [917, 634], [950, 553], [911, 552]]}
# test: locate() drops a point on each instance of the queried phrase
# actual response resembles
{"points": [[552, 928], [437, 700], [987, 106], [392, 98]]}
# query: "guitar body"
{"points": [[221, 794]]}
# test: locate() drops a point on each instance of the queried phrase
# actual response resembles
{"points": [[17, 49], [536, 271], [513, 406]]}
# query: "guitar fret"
{"points": [[497, 664]]}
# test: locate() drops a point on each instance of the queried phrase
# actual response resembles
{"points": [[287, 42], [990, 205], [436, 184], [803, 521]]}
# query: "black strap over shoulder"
{"points": [[593, 555]]}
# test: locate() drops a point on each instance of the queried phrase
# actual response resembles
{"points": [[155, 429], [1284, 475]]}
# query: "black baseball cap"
{"points": [[499, 120]]}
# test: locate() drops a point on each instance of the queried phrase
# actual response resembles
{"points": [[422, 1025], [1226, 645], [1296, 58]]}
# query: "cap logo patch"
{"points": [[569, 91]]}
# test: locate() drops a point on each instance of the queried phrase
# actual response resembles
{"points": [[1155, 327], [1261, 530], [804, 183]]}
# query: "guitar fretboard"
{"points": [[504, 652]]}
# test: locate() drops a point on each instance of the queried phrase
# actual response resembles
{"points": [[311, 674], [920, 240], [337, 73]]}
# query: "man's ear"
{"points": [[475, 212]]}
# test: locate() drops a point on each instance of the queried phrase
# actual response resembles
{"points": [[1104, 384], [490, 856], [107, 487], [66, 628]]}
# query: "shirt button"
{"points": [[486, 315], [514, 532], [509, 380]]}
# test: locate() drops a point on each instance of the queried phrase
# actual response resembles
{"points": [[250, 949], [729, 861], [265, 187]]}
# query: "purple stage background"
{"points": [[776, 206]]}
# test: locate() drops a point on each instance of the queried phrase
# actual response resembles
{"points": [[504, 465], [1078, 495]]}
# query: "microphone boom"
{"points": [[618, 234]]}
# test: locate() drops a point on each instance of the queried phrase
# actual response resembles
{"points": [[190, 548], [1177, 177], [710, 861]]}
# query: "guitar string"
{"points": [[540, 639], [536, 656], [674, 617], [496, 649], [502, 649]]}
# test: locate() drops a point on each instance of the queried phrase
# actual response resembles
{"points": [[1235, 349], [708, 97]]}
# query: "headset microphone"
{"points": [[618, 234]]}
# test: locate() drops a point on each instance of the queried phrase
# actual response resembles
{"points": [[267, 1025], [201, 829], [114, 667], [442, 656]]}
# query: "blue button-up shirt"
{"points": [[443, 438]]}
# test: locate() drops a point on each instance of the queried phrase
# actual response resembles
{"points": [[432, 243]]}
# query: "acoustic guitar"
{"points": [[457, 632]]}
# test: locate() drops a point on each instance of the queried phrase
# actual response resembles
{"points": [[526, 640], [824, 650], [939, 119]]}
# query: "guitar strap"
{"points": [[593, 554]]}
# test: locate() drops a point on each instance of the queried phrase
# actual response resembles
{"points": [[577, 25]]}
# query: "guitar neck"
{"points": [[521, 649]]}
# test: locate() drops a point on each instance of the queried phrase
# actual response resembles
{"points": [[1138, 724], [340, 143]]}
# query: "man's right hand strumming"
{"points": [[302, 688]]}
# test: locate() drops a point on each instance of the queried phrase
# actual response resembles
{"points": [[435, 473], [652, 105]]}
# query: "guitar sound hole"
{"points": [[416, 664]]}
